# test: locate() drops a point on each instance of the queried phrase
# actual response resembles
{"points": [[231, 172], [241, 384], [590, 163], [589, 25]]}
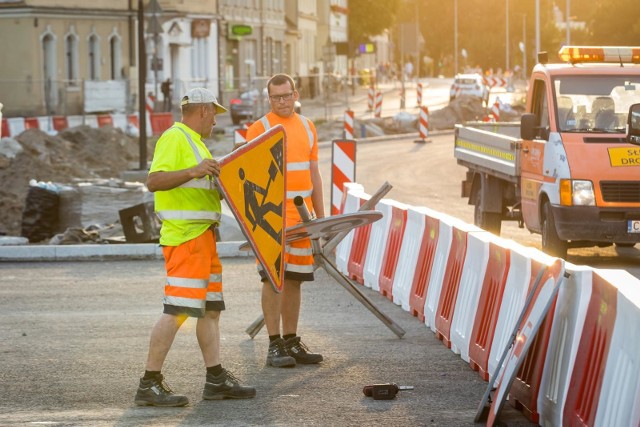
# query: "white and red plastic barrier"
{"points": [[156, 123], [470, 286]]}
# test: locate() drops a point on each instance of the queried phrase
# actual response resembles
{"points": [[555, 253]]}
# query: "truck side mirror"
{"points": [[633, 125], [527, 127]]}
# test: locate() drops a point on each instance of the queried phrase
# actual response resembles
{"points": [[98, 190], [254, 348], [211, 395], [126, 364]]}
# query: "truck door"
{"points": [[532, 157]]}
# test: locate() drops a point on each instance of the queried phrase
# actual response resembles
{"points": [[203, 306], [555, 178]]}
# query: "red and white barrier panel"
{"points": [[424, 265], [445, 275], [474, 270], [495, 81], [377, 244], [397, 225], [343, 170], [451, 280], [349, 122], [528, 340], [604, 389], [156, 123], [410, 254], [526, 386], [513, 299], [490, 298], [351, 203], [359, 249], [568, 322], [419, 95]]}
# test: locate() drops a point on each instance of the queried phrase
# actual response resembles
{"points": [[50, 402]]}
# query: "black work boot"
{"points": [[226, 386], [156, 392], [296, 349], [278, 356]]}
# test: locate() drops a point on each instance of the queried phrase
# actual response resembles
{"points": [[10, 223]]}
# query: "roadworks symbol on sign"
{"points": [[252, 180]]}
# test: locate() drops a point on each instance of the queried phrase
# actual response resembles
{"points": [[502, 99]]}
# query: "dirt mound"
{"points": [[75, 153]]}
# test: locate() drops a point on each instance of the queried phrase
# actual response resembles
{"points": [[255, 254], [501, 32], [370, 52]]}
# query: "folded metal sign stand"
{"points": [[321, 253]]}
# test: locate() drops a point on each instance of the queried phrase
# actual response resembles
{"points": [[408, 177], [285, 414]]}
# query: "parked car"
{"points": [[245, 107], [469, 84]]}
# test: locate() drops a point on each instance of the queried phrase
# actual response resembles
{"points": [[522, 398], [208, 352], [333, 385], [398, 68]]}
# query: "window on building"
{"points": [[200, 58], [115, 56], [94, 57], [277, 57], [268, 56], [71, 59], [49, 71]]}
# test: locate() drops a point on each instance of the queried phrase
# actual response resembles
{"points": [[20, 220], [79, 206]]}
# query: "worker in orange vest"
{"points": [[302, 179]]}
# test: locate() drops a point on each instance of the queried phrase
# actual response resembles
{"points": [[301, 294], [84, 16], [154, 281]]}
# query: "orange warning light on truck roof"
{"points": [[617, 54]]}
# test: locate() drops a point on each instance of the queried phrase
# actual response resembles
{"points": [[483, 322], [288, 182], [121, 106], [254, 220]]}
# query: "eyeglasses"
{"points": [[284, 97]]}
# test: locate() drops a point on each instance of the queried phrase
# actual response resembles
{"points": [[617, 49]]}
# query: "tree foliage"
{"points": [[370, 18], [482, 29]]}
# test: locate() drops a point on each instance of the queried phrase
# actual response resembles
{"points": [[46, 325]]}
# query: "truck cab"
{"points": [[580, 178]]}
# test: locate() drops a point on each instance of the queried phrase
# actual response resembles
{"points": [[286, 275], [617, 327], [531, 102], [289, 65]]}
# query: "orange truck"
{"points": [[567, 171]]}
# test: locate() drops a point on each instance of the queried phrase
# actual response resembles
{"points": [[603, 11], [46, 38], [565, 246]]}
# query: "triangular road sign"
{"points": [[252, 180]]}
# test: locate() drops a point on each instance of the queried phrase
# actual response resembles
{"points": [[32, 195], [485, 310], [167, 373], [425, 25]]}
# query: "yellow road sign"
{"points": [[252, 180]]}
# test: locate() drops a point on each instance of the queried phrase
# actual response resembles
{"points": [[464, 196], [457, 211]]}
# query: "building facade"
{"points": [[69, 57]]}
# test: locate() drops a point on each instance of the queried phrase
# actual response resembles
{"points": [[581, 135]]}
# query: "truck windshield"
{"points": [[595, 103]]}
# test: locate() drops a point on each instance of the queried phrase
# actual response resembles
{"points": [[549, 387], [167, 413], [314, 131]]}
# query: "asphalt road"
{"points": [[74, 340]]}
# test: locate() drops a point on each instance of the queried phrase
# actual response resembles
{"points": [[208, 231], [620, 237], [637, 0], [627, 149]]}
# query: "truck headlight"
{"points": [[576, 193]]}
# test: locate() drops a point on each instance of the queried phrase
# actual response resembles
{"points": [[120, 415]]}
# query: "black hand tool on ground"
{"points": [[384, 391]]}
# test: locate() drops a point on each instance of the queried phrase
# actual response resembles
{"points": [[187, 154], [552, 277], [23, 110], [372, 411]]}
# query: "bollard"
{"points": [[348, 124], [370, 99], [423, 125], [378, 112]]}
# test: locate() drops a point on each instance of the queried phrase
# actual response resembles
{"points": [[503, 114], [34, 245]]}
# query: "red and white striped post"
{"points": [[423, 125], [343, 170], [495, 110], [348, 124], [419, 94], [151, 103], [371, 98], [378, 112]]}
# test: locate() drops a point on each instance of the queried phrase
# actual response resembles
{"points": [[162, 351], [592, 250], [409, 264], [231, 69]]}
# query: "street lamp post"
{"points": [[566, 20], [507, 35], [455, 37], [537, 27], [524, 45]]}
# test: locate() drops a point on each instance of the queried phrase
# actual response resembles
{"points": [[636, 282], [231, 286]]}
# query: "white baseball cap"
{"points": [[200, 95]]}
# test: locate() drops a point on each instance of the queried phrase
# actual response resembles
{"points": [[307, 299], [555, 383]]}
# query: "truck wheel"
{"points": [[551, 243], [489, 221]]}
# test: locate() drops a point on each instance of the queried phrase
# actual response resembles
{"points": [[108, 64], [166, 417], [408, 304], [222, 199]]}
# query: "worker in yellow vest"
{"points": [[188, 204]]}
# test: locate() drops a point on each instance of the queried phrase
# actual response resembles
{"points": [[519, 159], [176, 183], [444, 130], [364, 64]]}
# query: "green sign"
{"points": [[241, 30]]}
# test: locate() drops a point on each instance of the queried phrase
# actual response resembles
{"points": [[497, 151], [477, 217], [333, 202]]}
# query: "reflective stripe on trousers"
{"points": [[194, 273]]}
